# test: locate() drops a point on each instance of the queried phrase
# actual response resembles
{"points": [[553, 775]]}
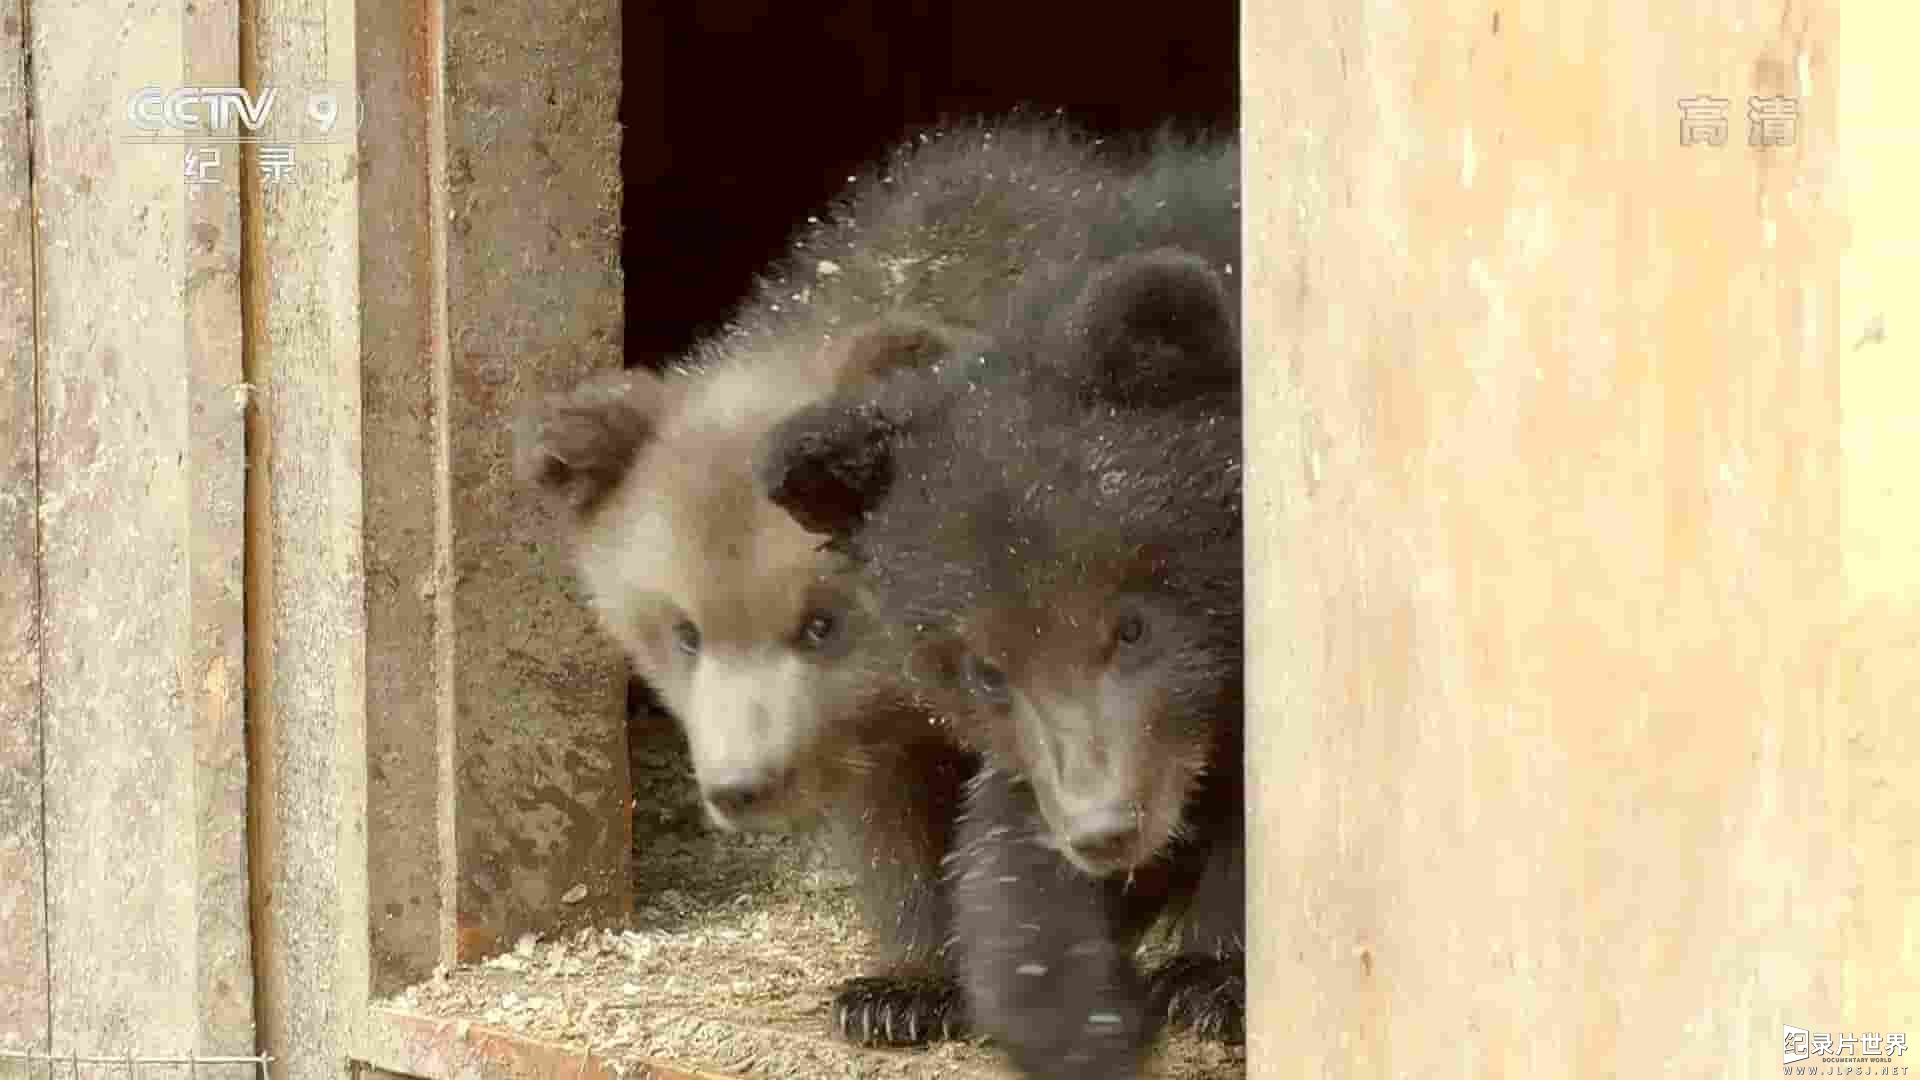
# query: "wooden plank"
{"points": [[140, 473], [498, 777], [23, 931], [1870, 685], [442, 1049], [215, 520], [1582, 535], [306, 617], [403, 384], [533, 294]]}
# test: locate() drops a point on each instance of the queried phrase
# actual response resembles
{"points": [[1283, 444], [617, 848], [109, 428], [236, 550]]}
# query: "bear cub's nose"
{"points": [[1104, 838]]}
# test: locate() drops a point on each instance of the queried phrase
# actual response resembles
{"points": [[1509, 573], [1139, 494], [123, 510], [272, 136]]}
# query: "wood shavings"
{"points": [[726, 965]]}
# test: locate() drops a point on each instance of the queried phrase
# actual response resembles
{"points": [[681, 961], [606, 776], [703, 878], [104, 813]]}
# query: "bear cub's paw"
{"points": [[892, 1010], [1206, 995]]}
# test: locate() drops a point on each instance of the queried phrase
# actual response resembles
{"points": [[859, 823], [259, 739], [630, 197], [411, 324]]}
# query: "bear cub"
{"points": [[1058, 554], [755, 638]]}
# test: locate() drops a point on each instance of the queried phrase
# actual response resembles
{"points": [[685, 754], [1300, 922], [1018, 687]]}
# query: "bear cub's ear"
{"points": [[830, 465], [577, 444], [1154, 330]]}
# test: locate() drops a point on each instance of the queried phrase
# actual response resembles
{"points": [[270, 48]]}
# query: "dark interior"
{"points": [[744, 116]]}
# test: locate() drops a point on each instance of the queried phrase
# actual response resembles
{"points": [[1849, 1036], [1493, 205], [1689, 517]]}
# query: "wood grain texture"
{"points": [[496, 707], [306, 617], [140, 473], [23, 927], [534, 303], [1582, 537], [410, 705], [215, 517]]}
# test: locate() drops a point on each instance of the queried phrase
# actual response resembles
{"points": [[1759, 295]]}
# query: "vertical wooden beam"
{"points": [[306, 611], [23, 928], [140, 469], [216, 507], [404, 424], [1869, 691], [1583, 541], [533, 299], [496, 724]]}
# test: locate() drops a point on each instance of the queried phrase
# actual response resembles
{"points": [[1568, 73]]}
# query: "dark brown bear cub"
{"points": [[1060, 551], [753, 636]]}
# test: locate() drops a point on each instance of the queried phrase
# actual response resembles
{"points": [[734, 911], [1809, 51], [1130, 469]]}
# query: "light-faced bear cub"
{"points": [[1058, 554], [756, 638]]}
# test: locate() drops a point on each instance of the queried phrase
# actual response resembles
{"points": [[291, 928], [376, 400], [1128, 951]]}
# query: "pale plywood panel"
{"points": [[1872, 694], [1581, 583], [139, 480]]}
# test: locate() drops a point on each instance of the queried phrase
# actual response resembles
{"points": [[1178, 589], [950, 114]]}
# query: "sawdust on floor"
{"points": [[726, 965]]}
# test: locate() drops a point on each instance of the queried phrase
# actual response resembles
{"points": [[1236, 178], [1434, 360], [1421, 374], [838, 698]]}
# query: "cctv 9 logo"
{"points": [[321, 113]]}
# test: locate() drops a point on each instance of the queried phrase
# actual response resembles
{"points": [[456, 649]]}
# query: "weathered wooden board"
{"points": [[410, 703], [490, 212], [1583, 537], [23, 930], [140, 472], [533, 298], [306, 625], [215, 519]]}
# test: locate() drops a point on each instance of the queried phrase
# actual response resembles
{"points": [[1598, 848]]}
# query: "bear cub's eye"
{"points": [[983, 678], [1131, 630], [687, 636], [818, 629]]}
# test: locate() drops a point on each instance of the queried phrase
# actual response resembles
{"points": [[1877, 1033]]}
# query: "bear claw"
{"points": [[1205, 995], [886, 1010]]}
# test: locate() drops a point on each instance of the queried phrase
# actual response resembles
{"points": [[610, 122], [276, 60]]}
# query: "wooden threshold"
{"points": [[442, 1049]]}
